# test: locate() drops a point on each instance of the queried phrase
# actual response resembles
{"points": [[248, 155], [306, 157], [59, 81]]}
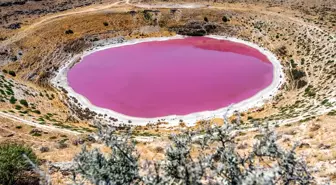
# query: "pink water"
{"points": [[174, 77]]}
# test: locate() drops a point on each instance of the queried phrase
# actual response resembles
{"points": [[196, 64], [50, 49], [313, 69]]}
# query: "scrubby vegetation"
{"points": [[13, 165], [193, 158]]}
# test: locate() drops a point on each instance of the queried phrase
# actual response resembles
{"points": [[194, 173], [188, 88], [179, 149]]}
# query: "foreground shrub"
{"points": [[12, 162], [120, 167], [216, 161]]}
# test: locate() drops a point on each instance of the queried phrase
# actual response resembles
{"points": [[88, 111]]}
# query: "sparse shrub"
{"points": [[14, 58], [301, 83], [4, 71], [206, 19], [61, 144], [36, 111], [302, 61], [297, 74], [106, 23], [225, 19], [310, 91], [24, 103], [147, 15], [12, 163], [18, 107], [36, 132], [69, 31], [44, 149], [159, 149], [132, 12], [332, 113], [293, 63], [324, 102], [12, 73], [12, 100]]}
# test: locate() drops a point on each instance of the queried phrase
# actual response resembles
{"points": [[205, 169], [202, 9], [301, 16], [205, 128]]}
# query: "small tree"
{"points": [[12, 162]]}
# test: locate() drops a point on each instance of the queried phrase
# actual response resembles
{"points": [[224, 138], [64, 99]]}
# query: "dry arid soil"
{"points": [[38, 37]]}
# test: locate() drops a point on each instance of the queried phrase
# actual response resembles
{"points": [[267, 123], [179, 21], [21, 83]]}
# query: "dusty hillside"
{"points": [[15, 13]]}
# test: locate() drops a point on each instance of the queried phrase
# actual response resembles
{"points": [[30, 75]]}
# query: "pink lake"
{"points": [[173, 77]]}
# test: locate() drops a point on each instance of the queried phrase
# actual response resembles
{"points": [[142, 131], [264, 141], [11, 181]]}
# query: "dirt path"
{"points": [[37, 125], [27, 30]]}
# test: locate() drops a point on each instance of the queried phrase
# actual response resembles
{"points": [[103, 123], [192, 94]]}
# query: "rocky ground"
{"points": [[301, 34]]}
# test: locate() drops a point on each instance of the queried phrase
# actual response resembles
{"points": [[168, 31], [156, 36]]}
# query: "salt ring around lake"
{"points": [[172, 78]]}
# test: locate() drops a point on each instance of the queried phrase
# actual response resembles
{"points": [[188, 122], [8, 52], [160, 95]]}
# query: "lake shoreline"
{"points": [[257, 100]]}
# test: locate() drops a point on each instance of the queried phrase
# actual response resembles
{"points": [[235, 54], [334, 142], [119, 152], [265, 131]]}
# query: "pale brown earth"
{"points": [[301, 31]]}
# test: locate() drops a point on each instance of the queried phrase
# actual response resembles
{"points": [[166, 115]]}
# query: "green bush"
{"points": [[18, 107], [12, 100], [12, 73], [36, 111], [24, 103], [12, 163]]}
